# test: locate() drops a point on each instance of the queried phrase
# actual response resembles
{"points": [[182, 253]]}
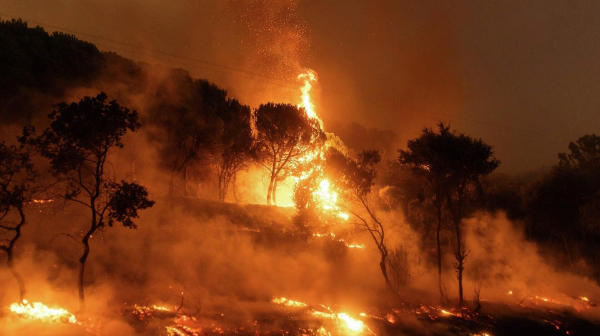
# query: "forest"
{"points": [[138, 200]]}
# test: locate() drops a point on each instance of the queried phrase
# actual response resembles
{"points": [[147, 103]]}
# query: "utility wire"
{"points": [[248, 75]]}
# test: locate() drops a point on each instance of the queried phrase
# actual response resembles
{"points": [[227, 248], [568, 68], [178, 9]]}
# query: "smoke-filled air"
{"points": [[265, 167]]}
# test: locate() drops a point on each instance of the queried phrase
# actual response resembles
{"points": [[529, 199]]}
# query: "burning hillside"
{"points": [[136, 199]]}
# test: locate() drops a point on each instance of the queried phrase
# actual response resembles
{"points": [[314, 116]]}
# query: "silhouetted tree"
{"points": [[16, 191], [467, 160], [355, 178], [33, 62], [450, 162], [235, 146], [78, 143], [562, 202], [584, 156], [426, 156], [186, 112], [285, 134]]}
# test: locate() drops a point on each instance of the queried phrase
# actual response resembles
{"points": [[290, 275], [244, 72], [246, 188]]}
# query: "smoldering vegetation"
{"points": [[204, 260]]}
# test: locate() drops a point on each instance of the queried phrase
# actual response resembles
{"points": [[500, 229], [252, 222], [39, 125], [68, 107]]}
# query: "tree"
{"points": [[468, 160], [355, 178], [78, 143], [450, 162], [187, 112], [425, 155], [285, 135], [33, 61], [235, 145], [562, 202], [16, 191], [584, 156]]}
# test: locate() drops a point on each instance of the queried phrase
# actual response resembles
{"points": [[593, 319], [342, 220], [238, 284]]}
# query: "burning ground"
{"points": [[242, 270]]}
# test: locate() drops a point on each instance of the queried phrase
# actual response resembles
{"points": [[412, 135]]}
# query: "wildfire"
{"points": [[289, 303], [308, 77], [324, 195], [39, 311], [358, 246], [352, 324], [356, 326], [332, 236]]}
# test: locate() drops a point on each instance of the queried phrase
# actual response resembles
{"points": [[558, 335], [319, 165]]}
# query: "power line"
{"points": [[230, 71], [272, 80]]}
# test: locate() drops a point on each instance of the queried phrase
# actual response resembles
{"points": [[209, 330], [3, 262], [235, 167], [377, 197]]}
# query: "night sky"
{"points": [[523, 75]]}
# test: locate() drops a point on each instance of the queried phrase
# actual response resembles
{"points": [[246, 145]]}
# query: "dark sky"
{"points": [[523, 75]]}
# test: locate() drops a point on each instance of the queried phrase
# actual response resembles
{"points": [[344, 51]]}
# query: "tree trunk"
{"points": [[568, 251], [10, 255], [460, 253], [439, 253], [221, 196], [274, 193], [82, 260], [383, 266], [234, 188], [269, 192], [185, 184], [172, 184], [17, 276]]}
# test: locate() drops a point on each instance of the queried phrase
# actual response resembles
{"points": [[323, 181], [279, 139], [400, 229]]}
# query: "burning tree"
{"points": [[286, 137], [355, 178], [16, 191], [78, 143], [450, 162]]}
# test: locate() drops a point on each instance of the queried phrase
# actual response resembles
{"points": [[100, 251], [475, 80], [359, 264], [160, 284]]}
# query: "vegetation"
{"points": [[202, 136], [78, 144], [17, 178], [285, 135]]}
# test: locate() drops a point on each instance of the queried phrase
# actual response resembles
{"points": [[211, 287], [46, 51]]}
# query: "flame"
{"points": [[352, 324], [39, 311], [332, 236], [308, 77], [358, 246], [323, 332], [324, 195], [43, 201], [289, 303]]}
